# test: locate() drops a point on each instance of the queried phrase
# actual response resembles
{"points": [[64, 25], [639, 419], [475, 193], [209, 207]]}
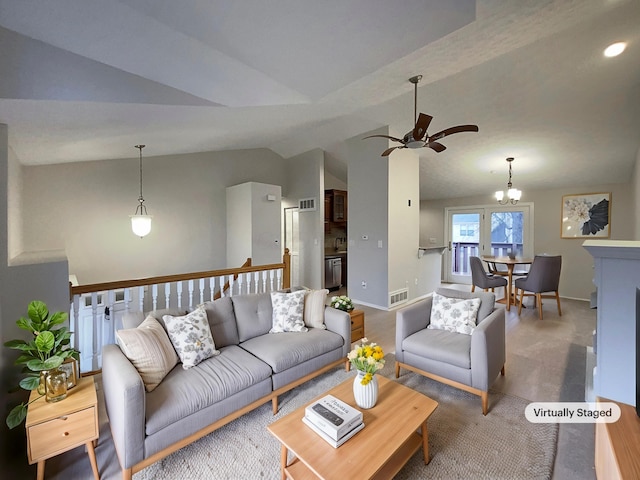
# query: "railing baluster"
{"points": [[201, 283], [94, 336], [212, 287], [264, 280], [167, 294], [179, 294], [190, 287], [279, 277], [154, 296], [231, 285], [222, 292], [141, 298], [256, 279], [111, 327], [127, 299], [240, 281]]}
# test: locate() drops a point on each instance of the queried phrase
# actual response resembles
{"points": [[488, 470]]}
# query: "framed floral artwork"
{"points": [[586, 215], [70, 367]]}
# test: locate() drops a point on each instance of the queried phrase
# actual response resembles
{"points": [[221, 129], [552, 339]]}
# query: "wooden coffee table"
{"points": [[389, 438]]}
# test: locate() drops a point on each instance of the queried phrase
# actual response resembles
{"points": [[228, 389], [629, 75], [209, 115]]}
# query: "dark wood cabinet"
{"points": [[335, 206]]}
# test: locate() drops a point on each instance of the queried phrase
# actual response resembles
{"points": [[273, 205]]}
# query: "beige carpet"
{"points": [[463, 443]]}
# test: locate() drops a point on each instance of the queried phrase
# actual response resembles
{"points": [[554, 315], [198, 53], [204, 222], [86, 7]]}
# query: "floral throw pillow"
{"points": [[454, 314], [191, 337], [288, 310]]}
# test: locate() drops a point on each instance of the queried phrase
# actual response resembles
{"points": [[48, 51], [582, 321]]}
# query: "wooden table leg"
{"points": [[425, 443], [92, 458], [509, 280], [40, 472], [283, 461]]}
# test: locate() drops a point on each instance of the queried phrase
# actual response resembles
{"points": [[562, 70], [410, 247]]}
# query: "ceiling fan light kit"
{"points": [[418, 137], [513, 194]]}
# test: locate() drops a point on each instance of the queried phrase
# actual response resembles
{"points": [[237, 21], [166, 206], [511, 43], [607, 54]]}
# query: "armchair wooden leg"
{"points": [[473, 288], [520, 304], [485, 402], [502, 371], [539, 302], [397, 369], [558, 300]]}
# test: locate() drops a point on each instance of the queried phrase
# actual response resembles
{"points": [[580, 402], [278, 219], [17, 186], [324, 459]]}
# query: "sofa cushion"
{"points": [[222, 322], [487, 300], [288, 312], [149, 349], [184, 392], [191, 337], [253, 314], [440, 345], [287, 349], [454, 314], [314, 306]]}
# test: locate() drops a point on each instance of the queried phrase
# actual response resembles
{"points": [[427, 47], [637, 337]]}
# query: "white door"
{"points": [[488, 230], [292, 241], [465, 234]]}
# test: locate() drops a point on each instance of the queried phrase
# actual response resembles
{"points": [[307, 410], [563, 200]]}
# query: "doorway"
{"points": [[486, 230], [292, 241]]}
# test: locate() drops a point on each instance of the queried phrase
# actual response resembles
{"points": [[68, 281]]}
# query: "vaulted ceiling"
{"points": [[87, 80]]}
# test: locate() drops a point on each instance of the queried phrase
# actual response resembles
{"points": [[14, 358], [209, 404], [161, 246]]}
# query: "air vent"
{"points": [[307, 204], [398, 297]]}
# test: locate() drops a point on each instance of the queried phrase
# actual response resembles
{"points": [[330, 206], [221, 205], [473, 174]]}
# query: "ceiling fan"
{"points": [[418, 137]]}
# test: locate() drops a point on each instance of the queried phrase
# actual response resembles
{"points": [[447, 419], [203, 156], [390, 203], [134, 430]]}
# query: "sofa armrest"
{"points": [[339, 322], [488, 353], [409, 320], [124, 397]]}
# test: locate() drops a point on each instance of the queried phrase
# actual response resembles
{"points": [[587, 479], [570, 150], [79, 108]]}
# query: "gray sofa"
{"points": [[469, 362], [253, 367]]}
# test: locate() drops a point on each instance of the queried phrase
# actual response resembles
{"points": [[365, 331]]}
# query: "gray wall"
{"points": [[20, 284], [635, 189], [576, 280], [83, 208]]}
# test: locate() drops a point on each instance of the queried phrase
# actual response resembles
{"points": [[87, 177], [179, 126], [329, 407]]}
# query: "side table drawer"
{"points": [[60, 434], [357, 334]]}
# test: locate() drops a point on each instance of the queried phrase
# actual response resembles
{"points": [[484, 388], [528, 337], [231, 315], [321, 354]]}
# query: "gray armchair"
{"points": [[469, 362], [480, 278], [543, 277]]}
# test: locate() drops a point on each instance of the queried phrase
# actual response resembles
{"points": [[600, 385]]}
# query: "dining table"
{"points": [[510, 263]]}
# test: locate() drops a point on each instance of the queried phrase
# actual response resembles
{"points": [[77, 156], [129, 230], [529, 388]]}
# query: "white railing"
{"points": [[96, 310]]}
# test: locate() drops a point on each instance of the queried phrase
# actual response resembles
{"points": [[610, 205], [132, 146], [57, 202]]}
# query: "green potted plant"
{"points": [[46, 351]]}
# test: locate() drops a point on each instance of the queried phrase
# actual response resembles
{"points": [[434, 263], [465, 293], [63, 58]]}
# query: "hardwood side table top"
{"points": [[380, 450], [55, 428]]}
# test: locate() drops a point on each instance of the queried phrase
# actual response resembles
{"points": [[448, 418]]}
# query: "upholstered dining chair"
{"points": [[543, 277], [480, 278]]}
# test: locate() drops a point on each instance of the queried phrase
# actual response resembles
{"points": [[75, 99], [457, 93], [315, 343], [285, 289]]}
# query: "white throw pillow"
{"points": [[454, 314], [288, 310], [149, 350], [314, 305], [191, 337]]}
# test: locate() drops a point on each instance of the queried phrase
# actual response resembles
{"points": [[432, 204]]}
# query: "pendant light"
{"points": [[513, 194], [141, 221]]}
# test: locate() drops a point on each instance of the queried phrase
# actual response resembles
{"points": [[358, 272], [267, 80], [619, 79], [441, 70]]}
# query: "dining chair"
{"points": [[543, 277], [480, 278]]}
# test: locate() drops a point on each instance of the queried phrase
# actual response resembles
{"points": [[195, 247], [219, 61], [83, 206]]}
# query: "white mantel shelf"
{"points": [[617, 276]]}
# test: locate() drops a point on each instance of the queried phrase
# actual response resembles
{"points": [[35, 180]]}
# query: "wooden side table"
{"points": [[357, 325], [55, 428]]}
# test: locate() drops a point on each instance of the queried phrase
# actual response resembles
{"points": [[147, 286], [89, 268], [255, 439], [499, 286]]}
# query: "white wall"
{"points": [[576, 280], [404, 221], [14, 205], [253, 224], [83, 208], [306, 180]]}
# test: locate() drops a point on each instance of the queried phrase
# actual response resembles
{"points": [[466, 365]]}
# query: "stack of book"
{"points": [[333, 420]]}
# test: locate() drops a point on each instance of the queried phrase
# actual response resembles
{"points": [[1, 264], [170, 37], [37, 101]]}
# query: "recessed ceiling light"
{"points": [[615, 49]]}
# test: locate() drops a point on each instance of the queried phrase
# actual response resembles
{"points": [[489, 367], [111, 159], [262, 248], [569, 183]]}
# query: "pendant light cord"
{"points": [[140, 147]]}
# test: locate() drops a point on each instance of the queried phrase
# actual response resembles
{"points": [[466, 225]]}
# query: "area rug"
{"points": [[463, 443]]}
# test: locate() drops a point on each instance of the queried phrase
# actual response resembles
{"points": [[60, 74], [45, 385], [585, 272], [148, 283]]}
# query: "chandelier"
{"points": [[141, 221], [513, 194]]}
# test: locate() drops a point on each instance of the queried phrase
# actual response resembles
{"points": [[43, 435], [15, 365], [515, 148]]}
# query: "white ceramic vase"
{"points": [[366, 396]]}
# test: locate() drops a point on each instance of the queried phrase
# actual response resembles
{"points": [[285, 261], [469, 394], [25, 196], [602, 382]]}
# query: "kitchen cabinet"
{"points": [[335, 206]]}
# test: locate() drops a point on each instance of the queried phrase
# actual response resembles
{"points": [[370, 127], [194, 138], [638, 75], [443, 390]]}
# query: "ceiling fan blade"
{"points": [[384, 136], [388, 151], [452, 130], [421, 126], [438, 147]]}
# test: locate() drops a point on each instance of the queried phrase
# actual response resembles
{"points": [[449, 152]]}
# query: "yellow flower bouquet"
{"points": [[367, 358]]}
